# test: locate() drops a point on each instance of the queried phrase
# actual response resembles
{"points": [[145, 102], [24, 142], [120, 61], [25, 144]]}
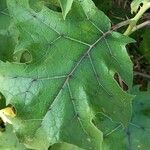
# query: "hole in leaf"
{"points": [[26, 57], [23, 57], [120, 82], [141, 4]]}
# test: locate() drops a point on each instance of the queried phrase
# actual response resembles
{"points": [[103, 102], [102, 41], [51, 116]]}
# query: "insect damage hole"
{"points": [[120, 82], [140, 6], [23, 56]]}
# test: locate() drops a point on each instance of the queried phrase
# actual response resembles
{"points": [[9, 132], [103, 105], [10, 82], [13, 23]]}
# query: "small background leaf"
{"points": [[145, 45], [136, 4]]}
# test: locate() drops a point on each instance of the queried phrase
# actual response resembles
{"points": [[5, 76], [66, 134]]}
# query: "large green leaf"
{"points": [[70, 78]]}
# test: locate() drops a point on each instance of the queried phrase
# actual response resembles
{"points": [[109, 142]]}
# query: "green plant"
{"points": [[63, 76]]}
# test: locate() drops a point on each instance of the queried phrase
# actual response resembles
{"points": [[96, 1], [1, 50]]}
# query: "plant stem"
{"points": [[142, 74], [119, 25], [134, 20], [146, 23]]}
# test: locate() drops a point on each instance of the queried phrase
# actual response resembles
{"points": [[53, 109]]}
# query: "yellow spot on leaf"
{"points": [[7, 112]]}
